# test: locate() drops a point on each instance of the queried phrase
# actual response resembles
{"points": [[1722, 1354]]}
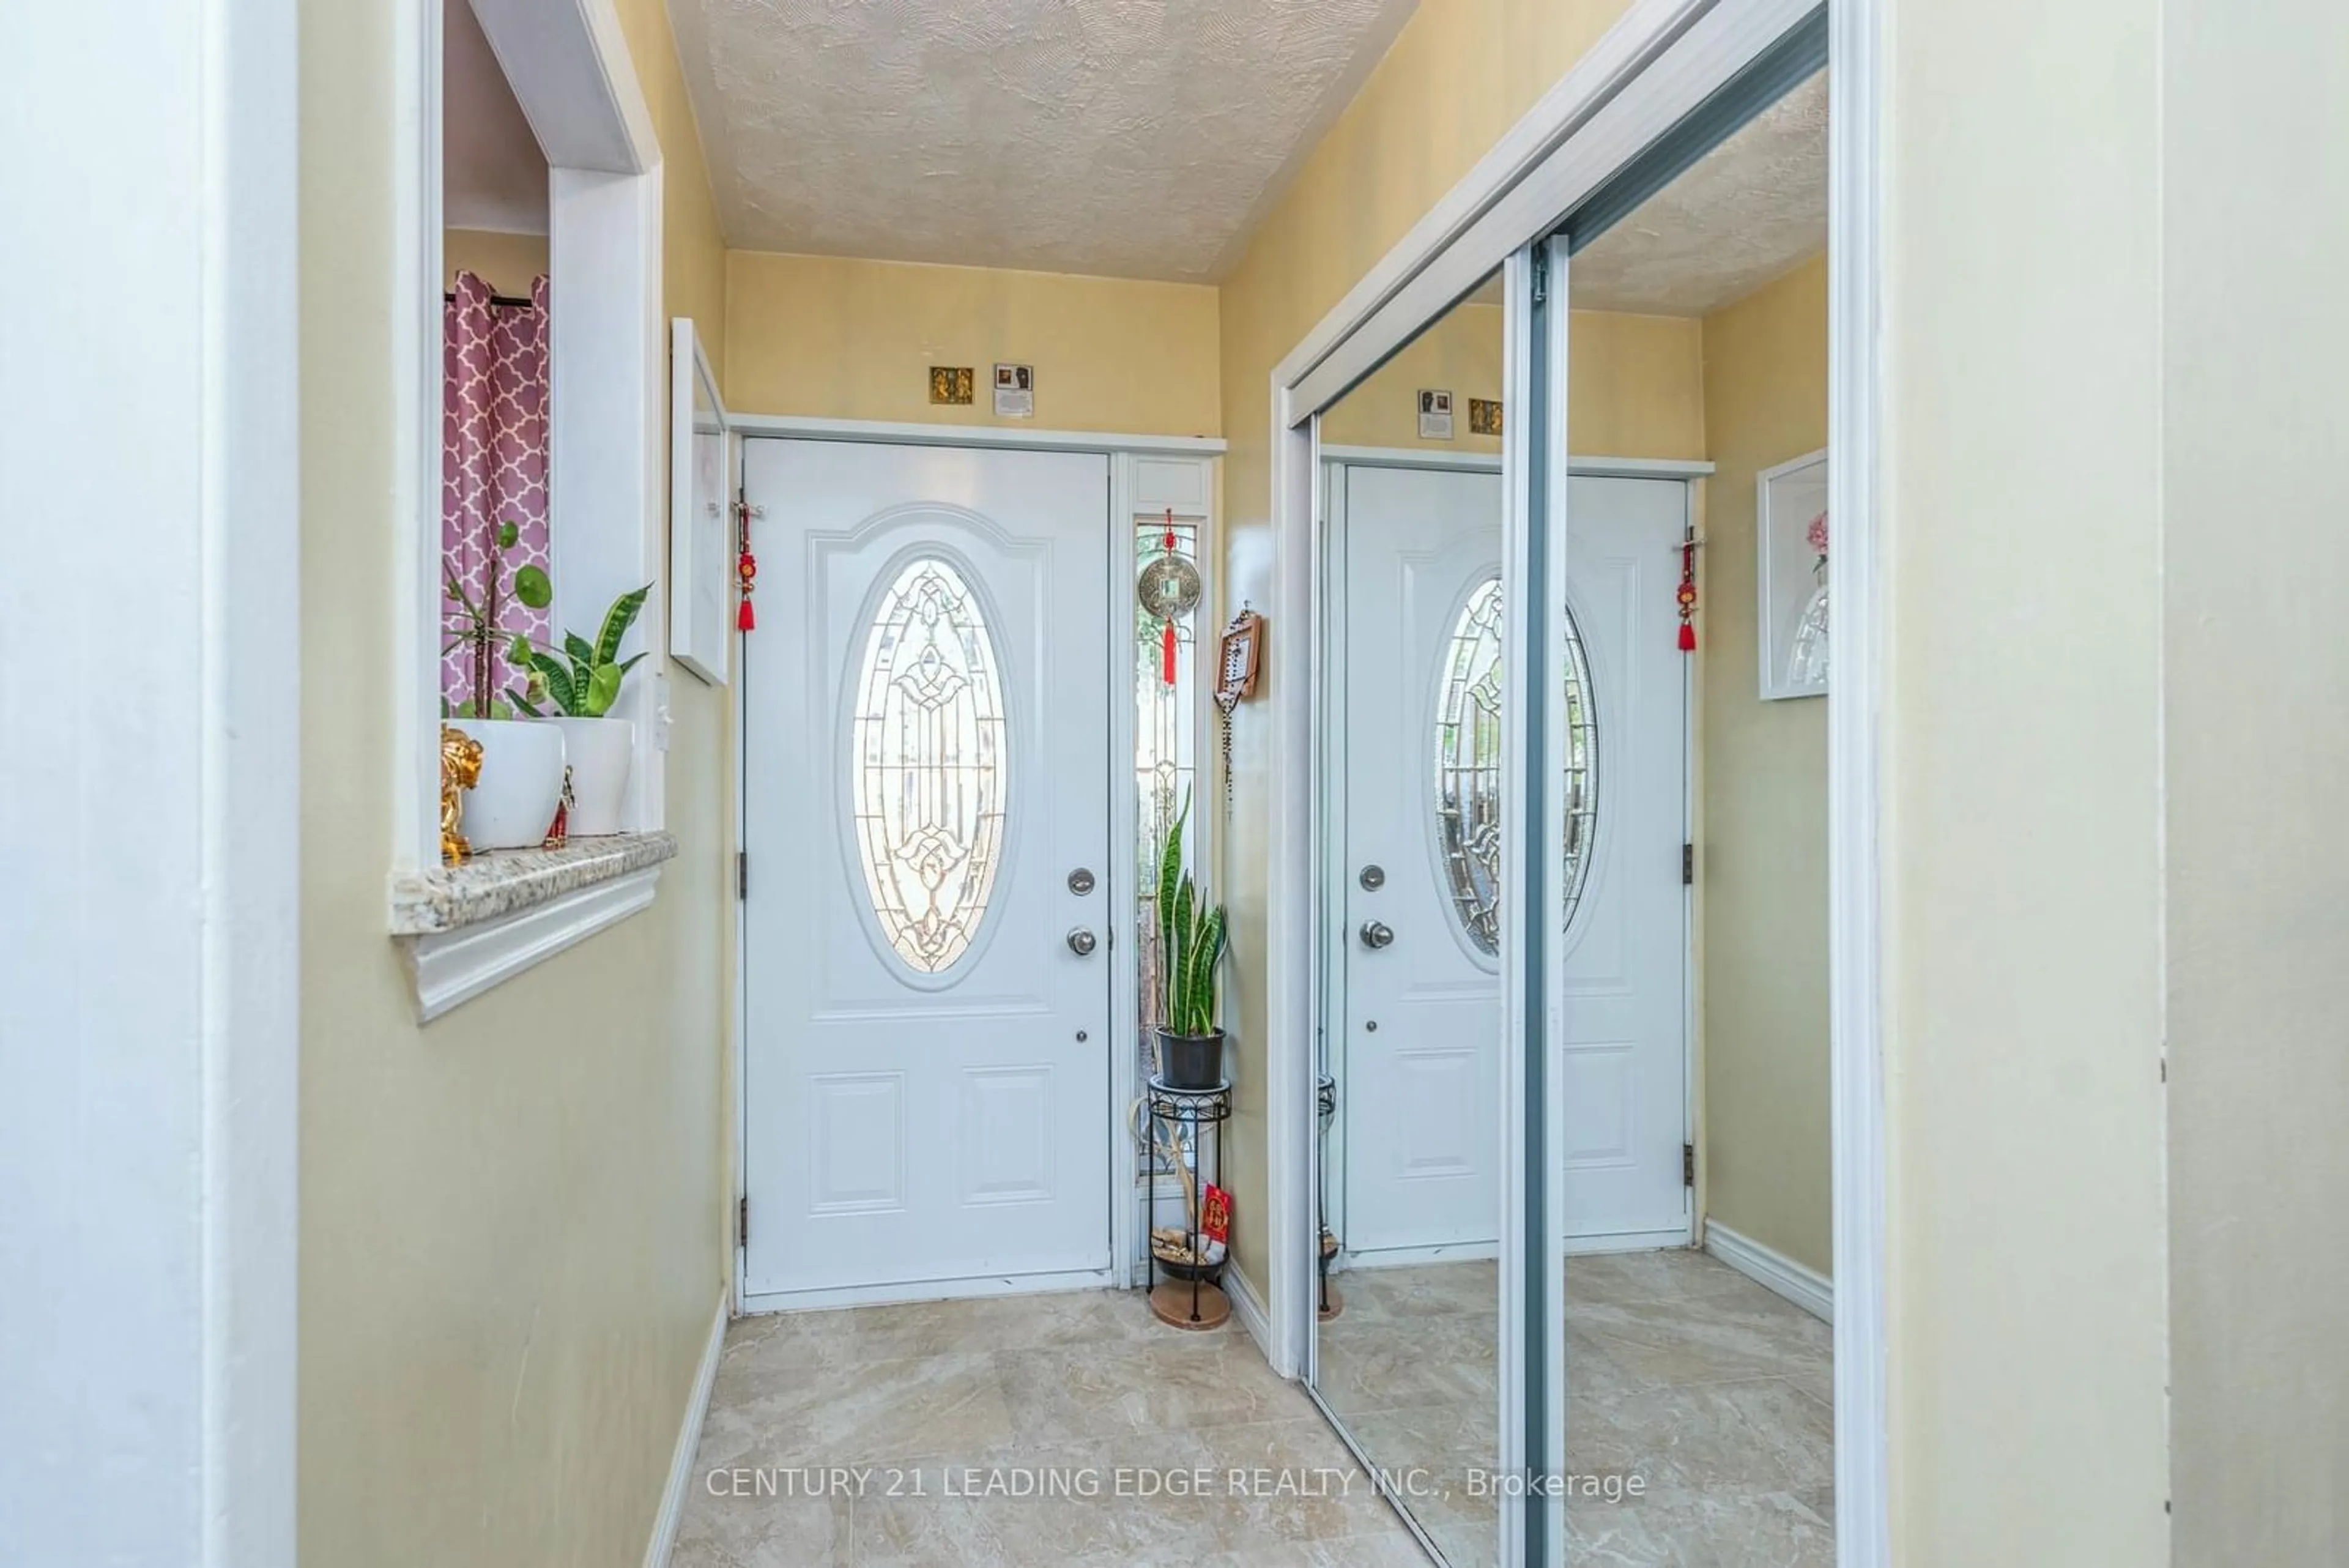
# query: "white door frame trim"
{"points": [[1490, 462], [1000, 438], [150, 949], [1121, 883], [1633, 85]]}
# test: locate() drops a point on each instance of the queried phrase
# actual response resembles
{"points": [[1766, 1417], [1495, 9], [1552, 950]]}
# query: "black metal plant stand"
{"points": [[1190, 1296], [1325, 1095]]}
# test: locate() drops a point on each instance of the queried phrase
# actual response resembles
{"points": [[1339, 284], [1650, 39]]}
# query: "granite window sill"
{"points": [[465, 929]]}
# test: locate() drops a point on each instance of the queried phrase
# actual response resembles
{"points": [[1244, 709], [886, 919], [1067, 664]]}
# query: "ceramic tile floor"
{"points": [[933, 1404], [1717, 1394], [1686, 1373]]}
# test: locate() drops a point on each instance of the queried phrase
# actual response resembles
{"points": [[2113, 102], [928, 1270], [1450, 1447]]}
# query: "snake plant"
{"points": [[1191, 939], [585, 682]]}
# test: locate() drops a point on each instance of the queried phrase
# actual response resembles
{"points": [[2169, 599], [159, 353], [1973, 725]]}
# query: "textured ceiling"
{"points": [[1127, 138], [1743, 215]]}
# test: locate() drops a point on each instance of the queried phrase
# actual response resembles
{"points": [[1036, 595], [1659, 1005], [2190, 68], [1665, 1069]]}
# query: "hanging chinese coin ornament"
{"points": [[1169, 589]]}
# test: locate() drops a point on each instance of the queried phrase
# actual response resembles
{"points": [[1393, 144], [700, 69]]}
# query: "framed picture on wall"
{"points": [[1791, 577], [701, 528]]}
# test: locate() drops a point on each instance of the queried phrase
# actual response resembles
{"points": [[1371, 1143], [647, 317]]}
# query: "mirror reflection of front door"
{"points": [[927, 1032], [1420, 809], [1420, 1062]]}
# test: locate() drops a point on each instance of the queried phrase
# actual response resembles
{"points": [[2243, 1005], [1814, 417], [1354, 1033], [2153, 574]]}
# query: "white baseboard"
{"points": [[689, 1442], [827, 1299], [1630, 1242], [1248, 1307], [1773, 1269]]}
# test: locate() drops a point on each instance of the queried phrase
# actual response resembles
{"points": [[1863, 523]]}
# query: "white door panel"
{"points": [[1419, 1058], [1419, 1064], [927, 1074], [1624, 1068]]}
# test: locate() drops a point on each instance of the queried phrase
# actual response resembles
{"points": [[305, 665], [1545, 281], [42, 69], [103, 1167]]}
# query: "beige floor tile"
{"points": [[856, 1414], [1716, 1528], [762, 1531], [1671, 1275], [1713, 1391], [1173, 1380], [1713, 1340]]}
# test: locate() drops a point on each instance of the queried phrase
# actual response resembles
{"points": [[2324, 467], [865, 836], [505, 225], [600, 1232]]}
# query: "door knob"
{"points": [[1377, 933], [1081, 942]]}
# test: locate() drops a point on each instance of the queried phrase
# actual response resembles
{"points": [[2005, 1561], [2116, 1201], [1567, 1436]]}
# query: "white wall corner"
{"points": [[1250, 1308]]}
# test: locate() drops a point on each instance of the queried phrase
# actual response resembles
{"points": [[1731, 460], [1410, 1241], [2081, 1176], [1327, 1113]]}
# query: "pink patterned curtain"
{"points": [[493, 452]]}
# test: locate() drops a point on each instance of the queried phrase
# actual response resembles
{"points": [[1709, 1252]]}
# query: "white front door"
{"points": [[1418, 1060], [926, 770]]}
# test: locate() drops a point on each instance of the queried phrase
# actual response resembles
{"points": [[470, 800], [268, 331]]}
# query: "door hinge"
{"points": [[742, 1222], [1688, 1165], [1541, 274], [1688, 864], [741, 873]]}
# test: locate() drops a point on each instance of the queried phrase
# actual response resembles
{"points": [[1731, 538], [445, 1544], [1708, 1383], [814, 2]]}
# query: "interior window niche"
{"points": [[532, 503], [496, 378]]}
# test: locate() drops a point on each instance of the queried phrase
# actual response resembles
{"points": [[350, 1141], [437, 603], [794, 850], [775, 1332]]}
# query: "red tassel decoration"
{"points": [[1167, 641], [746, 569], [1687, 595]]}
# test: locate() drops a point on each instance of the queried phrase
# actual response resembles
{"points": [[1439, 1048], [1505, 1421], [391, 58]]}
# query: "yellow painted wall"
{"points": [[1462, 352], [1458, 76], [837, 338], [507, 263], [1763, 788], [2022, 839], [1635, 383], [2255, 675], [511, 1247]]}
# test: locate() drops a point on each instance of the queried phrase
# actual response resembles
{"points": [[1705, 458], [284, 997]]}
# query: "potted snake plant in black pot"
{"points": [[1190, 953]]}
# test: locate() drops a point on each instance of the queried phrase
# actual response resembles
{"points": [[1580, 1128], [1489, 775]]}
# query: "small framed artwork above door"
{"points": [[936, 1018]]}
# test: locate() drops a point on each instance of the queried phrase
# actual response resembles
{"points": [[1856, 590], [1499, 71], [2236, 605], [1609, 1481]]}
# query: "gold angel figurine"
{"points": [[460, 770]]}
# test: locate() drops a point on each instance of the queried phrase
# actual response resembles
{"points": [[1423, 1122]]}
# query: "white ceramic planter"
{"points": [[521, 783], [600, 751]]}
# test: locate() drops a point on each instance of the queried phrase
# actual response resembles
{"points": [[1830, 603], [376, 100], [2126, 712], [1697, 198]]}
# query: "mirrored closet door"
{"points": [[1571, 1152], [1407, 1335]]}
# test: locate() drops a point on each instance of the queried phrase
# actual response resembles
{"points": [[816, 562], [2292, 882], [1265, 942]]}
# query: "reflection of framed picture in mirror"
{"points": [[1791, 577], [700, 543]]}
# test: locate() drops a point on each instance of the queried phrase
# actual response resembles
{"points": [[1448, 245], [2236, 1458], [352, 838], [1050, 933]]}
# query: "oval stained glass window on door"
{"points": [[929, 768], [1468, 767]]}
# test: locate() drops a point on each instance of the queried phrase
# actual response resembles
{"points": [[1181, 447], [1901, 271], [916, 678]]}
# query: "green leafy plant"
{"points": [[1191, 938], [477, 626], [585, 681]]}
